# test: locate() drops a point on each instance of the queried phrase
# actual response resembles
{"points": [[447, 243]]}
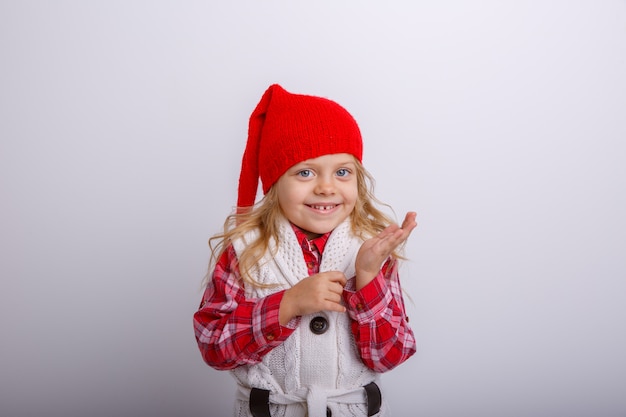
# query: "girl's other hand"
{"points": [[319, 292], [376, 250]]}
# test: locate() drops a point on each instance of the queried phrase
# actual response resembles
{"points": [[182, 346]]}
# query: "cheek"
{"points": [[288, 195], [352, 194], [282, 197]]}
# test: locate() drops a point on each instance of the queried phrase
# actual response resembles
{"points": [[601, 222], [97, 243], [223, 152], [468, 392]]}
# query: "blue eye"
{"points": [[343, 172], [305, 173]]}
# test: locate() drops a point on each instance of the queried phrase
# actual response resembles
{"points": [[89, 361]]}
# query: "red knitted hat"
{"points": [[286, 129]]}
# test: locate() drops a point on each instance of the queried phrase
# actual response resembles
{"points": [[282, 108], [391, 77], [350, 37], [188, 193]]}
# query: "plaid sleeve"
{"points": [[379, 322], [232, 330]]}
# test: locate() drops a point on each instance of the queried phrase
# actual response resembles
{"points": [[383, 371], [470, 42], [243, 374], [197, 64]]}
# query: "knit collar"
{"points": [[304, 241]]}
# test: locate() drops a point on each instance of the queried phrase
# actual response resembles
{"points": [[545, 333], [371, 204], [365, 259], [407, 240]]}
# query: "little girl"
{"points": [[304, 304]]}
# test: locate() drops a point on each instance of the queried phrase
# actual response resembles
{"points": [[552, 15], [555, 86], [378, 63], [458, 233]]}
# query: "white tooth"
{"points": [[323, 207]]}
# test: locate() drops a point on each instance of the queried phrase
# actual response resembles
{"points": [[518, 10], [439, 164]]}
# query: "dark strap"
{"points": [[374, 398], [260, 402]]}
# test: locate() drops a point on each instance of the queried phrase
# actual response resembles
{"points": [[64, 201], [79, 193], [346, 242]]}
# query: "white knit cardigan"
{"points": [[307, 372]]}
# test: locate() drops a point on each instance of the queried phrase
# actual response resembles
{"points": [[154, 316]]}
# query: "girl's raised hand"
{"points": [[319, 292], [376, 250]]}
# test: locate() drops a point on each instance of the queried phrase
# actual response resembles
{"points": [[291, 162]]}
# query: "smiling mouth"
{"points": [[325, 207]]}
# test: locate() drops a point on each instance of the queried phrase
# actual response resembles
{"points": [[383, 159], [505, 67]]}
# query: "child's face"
{"points": [[318, 194]]}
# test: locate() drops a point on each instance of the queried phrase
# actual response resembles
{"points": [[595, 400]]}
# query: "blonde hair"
{"points": [[367, 221]]}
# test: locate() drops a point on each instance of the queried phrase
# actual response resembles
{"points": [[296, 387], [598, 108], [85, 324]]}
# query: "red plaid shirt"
{"points": [[232, 330]]}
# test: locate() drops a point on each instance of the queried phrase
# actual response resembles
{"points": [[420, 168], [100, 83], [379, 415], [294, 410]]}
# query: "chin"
{"points": [[323, 230]]}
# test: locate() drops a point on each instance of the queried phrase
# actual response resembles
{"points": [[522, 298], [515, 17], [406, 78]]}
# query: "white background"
{"points": [[502, 123]]}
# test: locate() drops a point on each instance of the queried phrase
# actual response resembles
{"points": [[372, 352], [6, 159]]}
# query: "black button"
{"points": [[319, 325], [328, 412]]}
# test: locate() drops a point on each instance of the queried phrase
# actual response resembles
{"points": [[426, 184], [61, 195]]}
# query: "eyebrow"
{"points": [[305, 164]]}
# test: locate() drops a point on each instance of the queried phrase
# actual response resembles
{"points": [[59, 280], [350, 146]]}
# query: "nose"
{"points": [[324, 186]]}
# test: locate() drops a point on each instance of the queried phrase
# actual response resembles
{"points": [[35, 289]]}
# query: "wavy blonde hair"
{"points": [[367, 220]]}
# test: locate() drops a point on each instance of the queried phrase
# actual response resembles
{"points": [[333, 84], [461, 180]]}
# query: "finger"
{"points": [[328, 275], [393, 241], [408, 225], [336, 288], [402, 235], [388, 231], [331, 306], [391, 244], [337, 277], [409, 222], [333, 297]]}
